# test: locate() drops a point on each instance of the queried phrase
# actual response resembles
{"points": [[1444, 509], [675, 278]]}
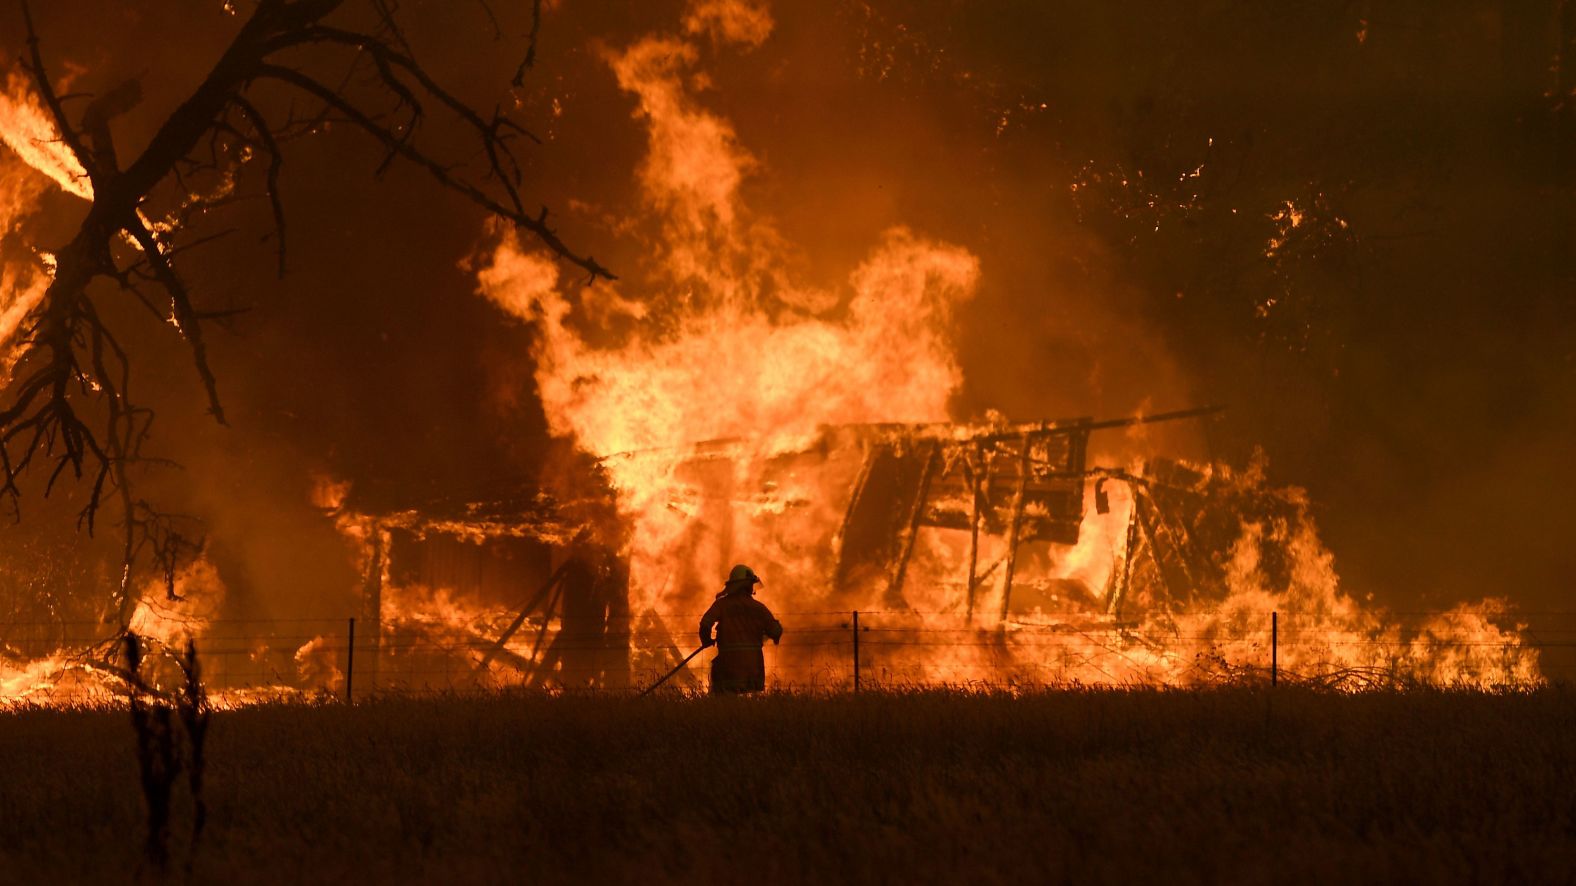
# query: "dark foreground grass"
{"points": [[1175, 787]]}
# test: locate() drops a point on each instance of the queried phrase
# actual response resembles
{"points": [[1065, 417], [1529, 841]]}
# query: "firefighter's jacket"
{"points": [[742, 623]]}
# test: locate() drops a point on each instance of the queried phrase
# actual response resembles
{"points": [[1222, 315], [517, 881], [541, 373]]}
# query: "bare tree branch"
{"points": [[180, 301], [530, 47], [71, 360], [46, 91]]}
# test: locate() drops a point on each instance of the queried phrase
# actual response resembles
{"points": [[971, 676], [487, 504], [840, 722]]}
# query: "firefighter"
{"points": [[743, 623]]}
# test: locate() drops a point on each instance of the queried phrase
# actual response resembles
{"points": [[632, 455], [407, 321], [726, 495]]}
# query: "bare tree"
{"points": [[69, 408]]}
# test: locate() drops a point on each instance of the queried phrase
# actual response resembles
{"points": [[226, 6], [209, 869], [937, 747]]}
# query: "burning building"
{"points": [[984, 553]]}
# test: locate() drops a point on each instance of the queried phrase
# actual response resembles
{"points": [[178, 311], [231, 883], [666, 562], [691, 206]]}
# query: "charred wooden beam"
{"points": [[529, 607], [509, 657], [411, 637], [948, 432], [860, 483], [537, 664], [1181, 542], [894, 594], [973, 477], [1113, 605], [1148, 529], [1014, 524]]}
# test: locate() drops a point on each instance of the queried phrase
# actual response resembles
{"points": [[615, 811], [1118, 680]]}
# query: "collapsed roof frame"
{"points": [[1024, 482]]}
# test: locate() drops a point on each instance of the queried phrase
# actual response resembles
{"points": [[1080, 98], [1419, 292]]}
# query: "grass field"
{"points": [[1215, 786]]}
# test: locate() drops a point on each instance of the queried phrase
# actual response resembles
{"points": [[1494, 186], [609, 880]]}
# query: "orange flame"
{"points": [[26, 128]]}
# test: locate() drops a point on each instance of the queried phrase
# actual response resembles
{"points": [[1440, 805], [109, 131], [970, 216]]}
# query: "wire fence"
{"points": [[831, 650]]}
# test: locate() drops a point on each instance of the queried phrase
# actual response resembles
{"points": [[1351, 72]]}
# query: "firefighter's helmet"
{"points": [[744, 575]]}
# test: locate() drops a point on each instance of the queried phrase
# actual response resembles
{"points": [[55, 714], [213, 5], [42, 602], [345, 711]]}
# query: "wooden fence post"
{"points": [[350, 662], [856, 650], [1274, 647]]}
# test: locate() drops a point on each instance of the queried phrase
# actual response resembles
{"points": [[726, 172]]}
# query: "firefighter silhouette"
{"points": [[742, 625]]}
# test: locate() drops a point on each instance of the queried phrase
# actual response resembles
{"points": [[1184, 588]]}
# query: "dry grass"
{"points": [[1089, 787]]}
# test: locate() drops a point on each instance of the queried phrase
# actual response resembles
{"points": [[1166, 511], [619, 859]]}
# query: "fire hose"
{"points": [[676, 668]]}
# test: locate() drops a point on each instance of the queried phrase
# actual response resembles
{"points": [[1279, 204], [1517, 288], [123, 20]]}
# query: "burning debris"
{"points": [[572, 628]]}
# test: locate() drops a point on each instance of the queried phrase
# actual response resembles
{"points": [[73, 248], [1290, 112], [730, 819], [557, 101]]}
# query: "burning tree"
{"points": [[69, 407]]}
